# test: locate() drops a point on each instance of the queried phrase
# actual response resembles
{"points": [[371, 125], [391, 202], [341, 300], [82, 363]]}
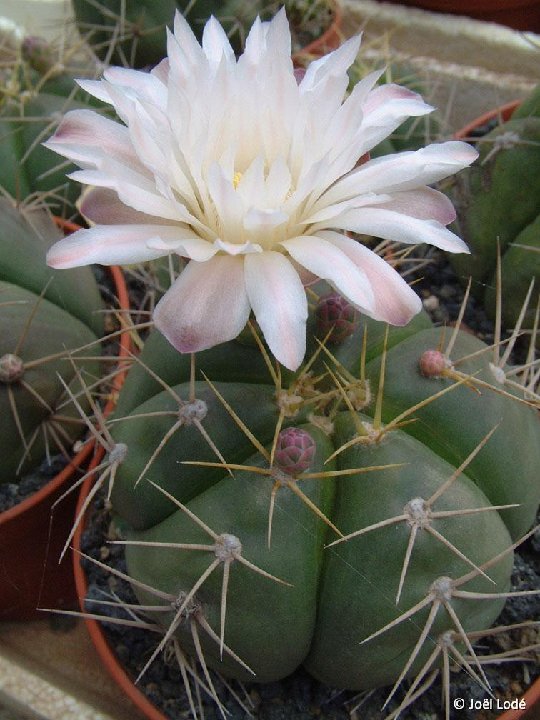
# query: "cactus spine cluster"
{"points": [[257, 505]]}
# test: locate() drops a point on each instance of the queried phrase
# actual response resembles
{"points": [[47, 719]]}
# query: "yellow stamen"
{"points": [[236, 179]]}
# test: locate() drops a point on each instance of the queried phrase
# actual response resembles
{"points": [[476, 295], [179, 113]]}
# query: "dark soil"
{"points": [[12, 494]]}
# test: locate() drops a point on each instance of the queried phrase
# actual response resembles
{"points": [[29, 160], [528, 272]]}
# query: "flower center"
{"points": [[236, 179]]}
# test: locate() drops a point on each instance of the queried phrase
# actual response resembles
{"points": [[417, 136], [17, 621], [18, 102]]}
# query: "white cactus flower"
{"points": [[253, 176]]}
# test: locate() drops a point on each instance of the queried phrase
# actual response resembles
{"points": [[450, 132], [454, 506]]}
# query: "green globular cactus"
{"points": [[343, 518], [43, 317], [132, 33], [498, 205]]}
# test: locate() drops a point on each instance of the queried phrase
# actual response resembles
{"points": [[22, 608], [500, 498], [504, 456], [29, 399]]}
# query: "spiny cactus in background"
{"points": [[43, 317], [498, 204], [37, 89], [256, 504], [131, 34]]}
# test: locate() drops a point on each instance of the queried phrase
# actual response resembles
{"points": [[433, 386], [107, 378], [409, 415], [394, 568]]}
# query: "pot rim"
{"points": [[502, 112]]}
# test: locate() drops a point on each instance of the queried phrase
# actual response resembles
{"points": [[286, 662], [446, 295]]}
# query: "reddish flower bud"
{"points": [[433, 363], [334, 313], [295, 451]]}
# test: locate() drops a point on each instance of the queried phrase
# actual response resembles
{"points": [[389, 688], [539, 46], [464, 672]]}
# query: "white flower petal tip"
{"points": [[250, 172]]}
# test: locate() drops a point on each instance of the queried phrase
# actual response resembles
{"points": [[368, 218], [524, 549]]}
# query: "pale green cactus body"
{"points": [[361, 546]]}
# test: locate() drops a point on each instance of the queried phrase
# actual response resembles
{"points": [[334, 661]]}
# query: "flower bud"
{"points": [[433, 363], [336, 315], [38, 53], [295, 450]]}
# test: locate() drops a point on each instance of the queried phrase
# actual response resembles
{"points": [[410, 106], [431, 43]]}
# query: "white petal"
{"points": [[186, 244], [279, 302], [260, 219], [395, 302], [327, 212], [96, 88], [108, 245], [386, 107], [215, 42], [146, 86], [403, 171], [206, 305], [186, 39], [334, 63], [329, 263], [237, 248], [397, 226]]}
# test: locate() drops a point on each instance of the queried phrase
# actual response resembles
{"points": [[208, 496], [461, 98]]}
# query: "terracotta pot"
{"points": [[502, 113], [329, 40], [95, 630], [32, 534], [517, 14]]}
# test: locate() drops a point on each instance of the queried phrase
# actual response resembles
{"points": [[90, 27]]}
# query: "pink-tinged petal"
{"points": [[279, 302], [396, 226], [207, 305], [328, 262], [422, 203], [136, 191], [84, 136], [386, 107], [395, 302], [102, 206], [108, 245], [384, 95]]}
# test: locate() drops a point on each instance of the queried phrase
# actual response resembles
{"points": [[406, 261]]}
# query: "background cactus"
{"points": [[257, 504], [43, 317], [498, 204], [37, 89], [131, 33]]}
